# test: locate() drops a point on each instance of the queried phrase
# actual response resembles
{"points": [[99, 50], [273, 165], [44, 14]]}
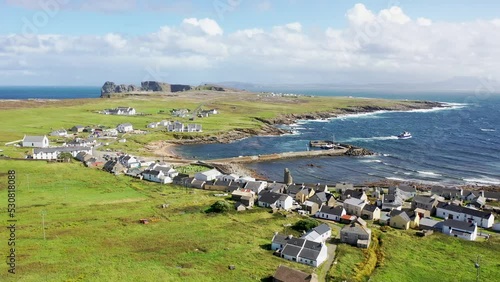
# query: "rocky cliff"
{"points": [[110, 88]]}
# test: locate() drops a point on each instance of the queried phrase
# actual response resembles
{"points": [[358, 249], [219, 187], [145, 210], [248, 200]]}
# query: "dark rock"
{"points": [[155, 86]]}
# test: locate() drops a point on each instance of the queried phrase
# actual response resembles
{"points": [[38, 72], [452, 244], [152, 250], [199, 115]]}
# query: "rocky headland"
{"points": [[110, 89]]}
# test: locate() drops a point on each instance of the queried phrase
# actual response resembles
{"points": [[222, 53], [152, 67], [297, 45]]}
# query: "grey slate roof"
{"points": [[280, 239], [459, 224], [464, 210], [423, 199], [291, 250], [402, 214], [322, 228], [370, 208], [353, 193], [269, 197], [60, 149], [332, 210], [33, 139]]}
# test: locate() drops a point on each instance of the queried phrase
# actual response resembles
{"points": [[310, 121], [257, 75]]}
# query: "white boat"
{"points": [[405, 135]]}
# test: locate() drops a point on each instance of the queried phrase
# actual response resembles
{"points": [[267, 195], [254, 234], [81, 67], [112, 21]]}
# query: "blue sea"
{"points": [[454, 146], [459, 145]]}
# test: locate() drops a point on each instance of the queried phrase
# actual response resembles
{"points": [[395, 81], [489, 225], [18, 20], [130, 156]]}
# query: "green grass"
{"points": [[93, 231]]}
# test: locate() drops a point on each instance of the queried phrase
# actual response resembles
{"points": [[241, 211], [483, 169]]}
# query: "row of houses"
{"points": [[128, 111]]}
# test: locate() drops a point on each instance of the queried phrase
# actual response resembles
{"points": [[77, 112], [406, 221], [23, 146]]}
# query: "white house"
{"points": [[153, 125], [59, 133], [271, 199], [331, 213], [304, 251], [285, 202], [125, 127], [354, 206], [156, 176], [256, 186], [208, 175], [53, 153], [460, 229], [35, 141], [450, 211], [319, 234], [129, 161], [120, 111]]}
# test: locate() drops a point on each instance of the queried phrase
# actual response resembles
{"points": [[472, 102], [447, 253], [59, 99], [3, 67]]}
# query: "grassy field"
{"points": [[406, 257], [93, 231], [237, 110]]}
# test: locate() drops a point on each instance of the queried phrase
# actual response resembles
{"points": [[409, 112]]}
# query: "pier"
{"points": [[338, 150]]}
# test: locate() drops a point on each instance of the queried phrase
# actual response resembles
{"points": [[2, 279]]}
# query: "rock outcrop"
{"points": [[110, 88]]}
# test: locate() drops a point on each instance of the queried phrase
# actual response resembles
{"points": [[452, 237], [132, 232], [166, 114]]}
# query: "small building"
{"points": [[287, 274], [371, 212], [59, 133], [356, 234], [425, 203], [354, 206], [77, 128], [277, 187], [391, 202], [342, 186], [125, 127], [352, 193], [331, 213], [399, 219], [323, 198], [275, 200], [460, 229], [428, 223], [208, 175], [320, 233], [35, 141], [310, 207], [153, 125], [256, 186], [218, 185], [54, 152], [156, 176], [304, 251]]}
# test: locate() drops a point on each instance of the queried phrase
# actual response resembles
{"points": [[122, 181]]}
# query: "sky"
{"points": [[88, 42]]}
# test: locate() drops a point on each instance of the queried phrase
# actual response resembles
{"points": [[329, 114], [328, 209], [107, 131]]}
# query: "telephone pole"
{"points": [[43, 213]]}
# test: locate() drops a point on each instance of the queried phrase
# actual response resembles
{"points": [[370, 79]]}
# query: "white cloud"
{"points": [[207, 25], [264, 6], [380, 46], [424, 21]]}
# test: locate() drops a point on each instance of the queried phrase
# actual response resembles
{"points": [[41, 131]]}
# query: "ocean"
{"points": [[459, 145]]}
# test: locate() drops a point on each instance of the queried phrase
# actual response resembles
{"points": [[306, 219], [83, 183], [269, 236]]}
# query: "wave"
{"points": [[488, 129], [371, 161], [363, 115], [429, 173], [483, 181], [396, 178], [369, 139]]}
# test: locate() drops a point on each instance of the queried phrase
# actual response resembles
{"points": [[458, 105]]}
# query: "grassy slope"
{"points": [[93, 231]]}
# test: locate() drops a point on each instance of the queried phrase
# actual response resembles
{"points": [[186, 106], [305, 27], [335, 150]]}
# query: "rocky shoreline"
{"points": [[268, 127]]}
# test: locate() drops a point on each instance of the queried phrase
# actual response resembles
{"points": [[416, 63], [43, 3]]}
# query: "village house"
{"points": [[179, 112], [399, 219], [80, 142], [256, 186], [125, 127], [156, 176], [310, 207], [406, 191], [246, 197], [228, 177], [217, 185], [59, 133], [450, 211], [449, 193], [491, 195], [287, 274], [153, 125], [301, 250], [54, 152], [342, 186], [331, 213], [207, 175], [293, 189], [197, 184], [127, 111], [275, 200], [351, 193], [318, 187], [460, 229], [175, 126], [479, 202], [427, 223], [35, 141], [357, 234], [371, 212], [354, 206], [113, 166], [391, 202], [304, 194], [323, 198], [244, 179], [277, 187], [77, 128], [425, 203], [193, 127], [319, 234], [129, 161]]}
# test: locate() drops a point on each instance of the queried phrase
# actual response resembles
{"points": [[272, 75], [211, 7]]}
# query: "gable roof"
{"points": [[353, 193], [270, 197], [407, 188], [464, 210], [332, 210], [356, 228], [423, 200], [34, 139], [322, 228], [460, 225], [354, 202], [370, 208], [286, 274], [402, 214]]}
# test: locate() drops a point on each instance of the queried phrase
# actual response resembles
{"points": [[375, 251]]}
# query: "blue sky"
{"points": [[89, 41]]}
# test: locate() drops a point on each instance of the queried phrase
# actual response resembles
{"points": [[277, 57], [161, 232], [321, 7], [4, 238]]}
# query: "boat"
{"points": [[405, 135]]}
